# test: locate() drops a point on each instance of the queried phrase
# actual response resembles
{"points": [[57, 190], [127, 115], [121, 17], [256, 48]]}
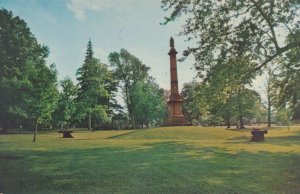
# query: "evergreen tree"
{"points": [[93, 85]]}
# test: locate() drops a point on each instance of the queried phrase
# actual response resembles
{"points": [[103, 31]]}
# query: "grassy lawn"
{"points": [[159, 160]]}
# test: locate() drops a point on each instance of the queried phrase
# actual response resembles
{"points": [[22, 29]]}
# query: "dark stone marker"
{"points": [[66, 134], [258, 135]]}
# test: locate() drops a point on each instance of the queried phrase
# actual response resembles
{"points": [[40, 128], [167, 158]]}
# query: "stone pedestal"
{"points": [[258, 135]]}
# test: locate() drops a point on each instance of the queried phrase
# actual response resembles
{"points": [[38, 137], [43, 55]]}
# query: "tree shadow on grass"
{"points": [[8, 156], [124, 134], [284, 140], [166, 167], [239, 139], [280, 140]]}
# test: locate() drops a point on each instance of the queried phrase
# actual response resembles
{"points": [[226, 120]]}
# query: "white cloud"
{"points": [[81, 7]]}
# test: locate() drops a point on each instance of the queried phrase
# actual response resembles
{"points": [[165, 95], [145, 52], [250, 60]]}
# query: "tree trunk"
{"points": [[227, 119], [241, 122], [241, 118], [133, 122], [228, 122], [90, 122], [35, 131], [269, 111]]}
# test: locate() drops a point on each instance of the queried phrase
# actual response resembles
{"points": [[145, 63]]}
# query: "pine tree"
{"points": [[92, 84], [89, 52]]}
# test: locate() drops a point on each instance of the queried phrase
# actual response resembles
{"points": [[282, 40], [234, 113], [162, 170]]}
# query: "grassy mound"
{"points": [[158, 160]]}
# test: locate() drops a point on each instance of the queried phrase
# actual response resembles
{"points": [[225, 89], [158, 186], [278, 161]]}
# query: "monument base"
{"points": [[176, 120]]}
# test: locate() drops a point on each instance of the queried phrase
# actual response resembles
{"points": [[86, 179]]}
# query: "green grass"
{"points": [[158, 160]]}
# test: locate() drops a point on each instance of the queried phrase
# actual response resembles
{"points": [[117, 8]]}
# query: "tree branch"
{"points": [[279, 52], [292, 34], [268, 22]]}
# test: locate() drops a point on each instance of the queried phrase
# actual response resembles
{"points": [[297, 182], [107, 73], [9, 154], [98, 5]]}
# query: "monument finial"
{"points": [[171, 42]]}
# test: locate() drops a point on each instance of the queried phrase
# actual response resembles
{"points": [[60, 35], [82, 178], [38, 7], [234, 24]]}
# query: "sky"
{"points": [[65, 26]]}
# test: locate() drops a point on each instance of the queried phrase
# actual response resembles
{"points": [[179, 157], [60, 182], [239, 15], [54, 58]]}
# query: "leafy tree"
{"points": [[260, 114], [237, 39], [19, 53], [41, 100], [245, 101], [129, 71], [28, 86], [270, 93], [195, 105], [225, 85], [39, 94], [66, 106], [150, 105], [288, 78], [93, 94], [284, 116], [229, 28], [224, 108]]}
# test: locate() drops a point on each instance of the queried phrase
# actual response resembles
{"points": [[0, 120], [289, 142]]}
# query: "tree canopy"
{"points": [[142, 96], [254, 29], [27, 85], [93, 84]]}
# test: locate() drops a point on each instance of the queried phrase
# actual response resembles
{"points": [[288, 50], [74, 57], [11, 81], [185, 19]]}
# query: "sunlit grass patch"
{"points": [[156, 160]]}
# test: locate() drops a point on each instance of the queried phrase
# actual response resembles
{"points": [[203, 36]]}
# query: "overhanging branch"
{"points": [[279, 52]]}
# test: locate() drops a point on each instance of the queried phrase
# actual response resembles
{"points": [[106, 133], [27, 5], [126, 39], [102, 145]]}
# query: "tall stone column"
{"points": [[175, 116]]}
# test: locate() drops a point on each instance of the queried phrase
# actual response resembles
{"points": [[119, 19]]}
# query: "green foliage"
{"points": [[260, 113], [232, 104], [95, 87], [232, 28], [41, 99], [195, 106], [235, 40], [150, 107], [66, 106], [27, 86], [288, 78], [284, 116], [138, 89], [269, 93]]}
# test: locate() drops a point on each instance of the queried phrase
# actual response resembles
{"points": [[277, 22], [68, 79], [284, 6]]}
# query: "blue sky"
{"points": [[65, 26]]}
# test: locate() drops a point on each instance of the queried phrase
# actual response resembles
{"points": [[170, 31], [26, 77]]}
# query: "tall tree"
{"points": [[284, 116], [260, 113], [92, 86], [288, 78], [228, 28], [195, 106], [269, 92], [41, 100], [150, 106], [28, 86], [225, 85], [129, 70], [245, 101], [66, 106]]}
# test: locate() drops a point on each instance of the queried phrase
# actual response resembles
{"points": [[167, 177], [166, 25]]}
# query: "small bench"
{"points": [[258, 135], [66, 133]]}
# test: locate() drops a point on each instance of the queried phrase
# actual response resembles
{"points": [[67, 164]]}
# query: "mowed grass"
{"points": [[158, 160]]}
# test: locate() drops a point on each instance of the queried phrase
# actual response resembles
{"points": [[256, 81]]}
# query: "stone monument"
{"points": [[175, 116]]}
